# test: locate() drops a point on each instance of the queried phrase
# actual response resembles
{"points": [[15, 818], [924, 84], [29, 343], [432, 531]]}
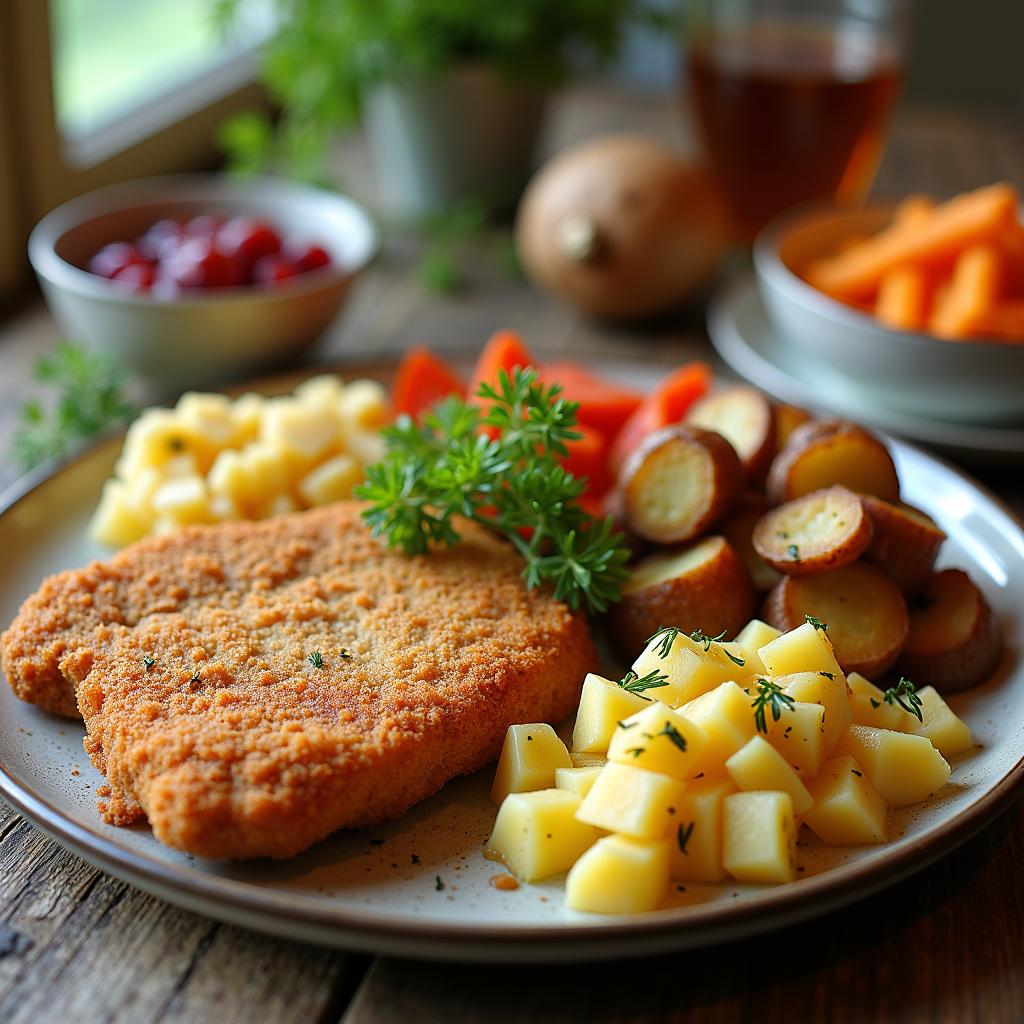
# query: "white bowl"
{"points": [[204, 337], [850, 352]]}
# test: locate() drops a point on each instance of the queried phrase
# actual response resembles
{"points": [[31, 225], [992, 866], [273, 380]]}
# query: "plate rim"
{"points": [[385, 931]]}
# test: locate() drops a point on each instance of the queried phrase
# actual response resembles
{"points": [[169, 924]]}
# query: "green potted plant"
{"points": [[452, 92]]}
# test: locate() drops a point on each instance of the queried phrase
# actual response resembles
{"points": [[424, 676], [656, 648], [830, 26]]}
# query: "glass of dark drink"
{"points": [[793, 97]]}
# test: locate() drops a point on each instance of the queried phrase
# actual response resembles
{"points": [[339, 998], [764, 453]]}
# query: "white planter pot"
{"points": [[435, 140]]}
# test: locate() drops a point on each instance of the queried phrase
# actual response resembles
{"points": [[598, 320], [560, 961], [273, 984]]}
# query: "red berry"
{"points": [[161, 239], [198, 264], [205, 225], [248, 240], [272, 270], [137, 277], [308, 257], [114, 257]]}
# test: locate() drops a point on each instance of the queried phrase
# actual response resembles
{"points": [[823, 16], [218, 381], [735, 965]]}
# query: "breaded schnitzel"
{"points": [[252, 687]]}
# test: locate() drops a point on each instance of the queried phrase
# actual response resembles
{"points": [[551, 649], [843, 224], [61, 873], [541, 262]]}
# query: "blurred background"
{"points": [[99, 91]]}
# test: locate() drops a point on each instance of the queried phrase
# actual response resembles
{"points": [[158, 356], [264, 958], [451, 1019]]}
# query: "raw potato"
{"points": [[905, 543], [865, 612], [826, 452], [679, 482], [955, 640], [787, 419], [822, 530], [738, 530], [705, 586], [743, 416]]}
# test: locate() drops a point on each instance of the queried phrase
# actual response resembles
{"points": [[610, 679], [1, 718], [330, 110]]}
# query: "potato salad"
{"points": [[707, 758], [211, 458]]}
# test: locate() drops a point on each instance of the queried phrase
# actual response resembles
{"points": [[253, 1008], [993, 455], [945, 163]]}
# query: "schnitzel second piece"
{"points": [[322, 682]]}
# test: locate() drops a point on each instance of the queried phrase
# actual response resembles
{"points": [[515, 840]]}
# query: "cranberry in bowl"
{"points": [[193, 280]]}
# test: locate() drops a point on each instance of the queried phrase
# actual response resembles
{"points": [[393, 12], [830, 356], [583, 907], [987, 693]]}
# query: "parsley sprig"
{"points": [[769, 695], [904, 693], [507, 478]]}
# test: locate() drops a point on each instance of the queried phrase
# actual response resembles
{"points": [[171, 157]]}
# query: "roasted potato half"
{"points": [[955, 640], [826, 452], [787, 419], [680, 482], [864, 610], [743, 416], [822, 530], [702, 586], [738, 529], [905, 543]]}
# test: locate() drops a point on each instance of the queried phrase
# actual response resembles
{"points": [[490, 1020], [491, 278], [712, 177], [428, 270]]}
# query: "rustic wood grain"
{"points": [[945, 946]]}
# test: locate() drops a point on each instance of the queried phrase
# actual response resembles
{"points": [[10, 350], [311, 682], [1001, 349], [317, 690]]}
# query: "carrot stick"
{"points": [[1003, 322], [903, 299], [963, 221], [914, 209], [973, 291]]}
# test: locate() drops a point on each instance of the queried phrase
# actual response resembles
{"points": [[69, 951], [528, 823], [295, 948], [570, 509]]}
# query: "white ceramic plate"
{"points": [[379, 890], [743, 336]]}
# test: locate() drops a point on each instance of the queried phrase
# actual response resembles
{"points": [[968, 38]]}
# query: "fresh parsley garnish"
{"points": [[817, 623], [148, 661], [90, 399], [508, 479], [769, 695], [316, 659], [700, 637], [666, 637], [673, 735], [683, 834], [632, 683], [904, 693]]}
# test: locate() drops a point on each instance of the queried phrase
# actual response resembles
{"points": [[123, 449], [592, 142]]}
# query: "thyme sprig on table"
{"points": [[499, 467]]}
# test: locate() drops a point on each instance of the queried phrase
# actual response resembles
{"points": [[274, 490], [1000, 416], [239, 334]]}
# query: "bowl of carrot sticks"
{"points": [[917, 305]]}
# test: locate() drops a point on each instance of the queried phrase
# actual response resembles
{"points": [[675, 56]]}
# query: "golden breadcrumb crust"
{"points": [[191, 658]]}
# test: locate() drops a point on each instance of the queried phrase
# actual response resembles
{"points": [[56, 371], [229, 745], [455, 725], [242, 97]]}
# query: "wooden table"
{"points": [[945, 945]]}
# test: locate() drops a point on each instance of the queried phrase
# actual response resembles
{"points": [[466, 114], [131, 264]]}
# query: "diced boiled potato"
{"points": [[847, 809], [603, 704], [180, 466], [229, 477], [224, 508], [156, 437], [903, 767], [619, 875], [584, 760], [759, 837], [725, 715], [577, 780], [759, 766], [804, 649], [528, 760], [868, 707], [660, 740], [324, 389], [696, 852], [365, 447], [116, 522], [537, 834], [690, 669], [279, 505], [364, 405], [798, 735], [632, 800], [831, 692], [752, 637], [140, 488], [209, 416], [183, 500], [267, 467], [247, 412], [306, 431], [949, 734], [332, 480]]}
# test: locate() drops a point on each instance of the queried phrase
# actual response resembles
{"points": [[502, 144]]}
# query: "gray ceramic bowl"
{"points": [[850, 352], [201, 338]]}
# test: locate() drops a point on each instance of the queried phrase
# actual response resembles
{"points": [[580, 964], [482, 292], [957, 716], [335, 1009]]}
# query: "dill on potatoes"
{"points": [[506, 477]]}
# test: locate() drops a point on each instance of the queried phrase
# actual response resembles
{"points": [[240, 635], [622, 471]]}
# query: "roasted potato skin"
{"points": [[795, 597], [818, 438], [716, 596], [787, 419], [778, 538], [905, 543], [938, 657], [724, 483], [740, 404]]}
